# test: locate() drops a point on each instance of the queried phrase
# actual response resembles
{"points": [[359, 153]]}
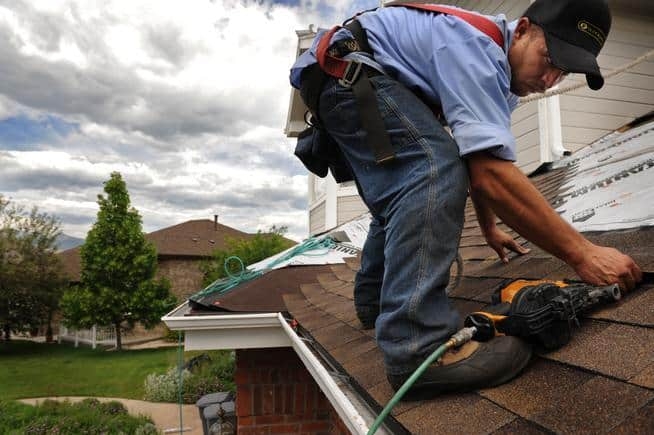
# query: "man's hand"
{"points": [[499, 240], [502, 188], [603, 266]]}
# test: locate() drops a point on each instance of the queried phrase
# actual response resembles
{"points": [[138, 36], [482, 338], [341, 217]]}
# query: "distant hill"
{"points": [[65, 241]]}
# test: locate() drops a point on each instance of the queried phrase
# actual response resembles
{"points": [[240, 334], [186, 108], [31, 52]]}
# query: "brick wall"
{"points": [[184, 275], [277, 395]]}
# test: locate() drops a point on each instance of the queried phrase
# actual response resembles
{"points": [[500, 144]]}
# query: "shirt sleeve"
{"points": [[474, 88]]}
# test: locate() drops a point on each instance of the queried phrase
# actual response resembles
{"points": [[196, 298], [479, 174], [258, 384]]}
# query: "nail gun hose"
{"points": [[462, 336]]}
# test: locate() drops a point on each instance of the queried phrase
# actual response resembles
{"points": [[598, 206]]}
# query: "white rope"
{"points": [[583, 83]]}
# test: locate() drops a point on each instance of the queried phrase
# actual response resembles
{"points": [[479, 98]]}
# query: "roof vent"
{"points": [[213, 242], [195, 239]]}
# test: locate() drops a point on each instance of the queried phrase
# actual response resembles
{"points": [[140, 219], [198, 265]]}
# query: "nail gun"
{"points": [[544, 312]]}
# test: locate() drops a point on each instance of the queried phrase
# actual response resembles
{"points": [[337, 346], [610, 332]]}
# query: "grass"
{"points": [[29, 369]]}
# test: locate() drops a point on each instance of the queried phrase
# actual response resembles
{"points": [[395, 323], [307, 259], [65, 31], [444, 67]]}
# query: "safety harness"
{"points": [[354, 74]]}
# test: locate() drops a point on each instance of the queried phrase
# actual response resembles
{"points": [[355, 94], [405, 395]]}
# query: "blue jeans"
{"points": [[368, 280], [418, 199]]}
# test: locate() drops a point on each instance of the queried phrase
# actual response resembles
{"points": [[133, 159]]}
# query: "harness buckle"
{"points": [[351, 74]]}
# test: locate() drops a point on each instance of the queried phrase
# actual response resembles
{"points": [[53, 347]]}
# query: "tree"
{"points": [[31, 276], [118, 268], [257, 248]]}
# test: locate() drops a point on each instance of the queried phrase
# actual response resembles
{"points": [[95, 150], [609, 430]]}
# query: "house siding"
{"points": [[349, 207], [525, 129], [277, 395], [317, 218], [588, 115]]}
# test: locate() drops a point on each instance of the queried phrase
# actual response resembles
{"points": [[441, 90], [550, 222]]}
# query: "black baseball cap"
{"points": [[575, 32]]}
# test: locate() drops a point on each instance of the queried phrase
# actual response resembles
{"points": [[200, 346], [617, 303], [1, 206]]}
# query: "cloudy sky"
{"points": [[187, 99]]}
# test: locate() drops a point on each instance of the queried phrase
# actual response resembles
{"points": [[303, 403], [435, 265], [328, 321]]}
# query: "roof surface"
{"points": [[600, 382], [194, 239]]}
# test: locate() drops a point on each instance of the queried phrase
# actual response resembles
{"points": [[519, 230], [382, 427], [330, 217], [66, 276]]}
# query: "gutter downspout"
{"points": [[551, 137], [348, 413]]}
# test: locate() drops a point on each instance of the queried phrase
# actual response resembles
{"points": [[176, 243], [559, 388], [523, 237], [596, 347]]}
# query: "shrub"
{"points": [[172, 336], [87, 416], [211, 375], [165, 387]]}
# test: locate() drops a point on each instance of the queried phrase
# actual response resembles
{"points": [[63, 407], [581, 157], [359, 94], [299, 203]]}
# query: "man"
{"points": [[419, 60]]}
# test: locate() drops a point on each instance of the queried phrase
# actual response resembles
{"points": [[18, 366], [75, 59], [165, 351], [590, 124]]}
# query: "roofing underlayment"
{"points": [[600, 382]]}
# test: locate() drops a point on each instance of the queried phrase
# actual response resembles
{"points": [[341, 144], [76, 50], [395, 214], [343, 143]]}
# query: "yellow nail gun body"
{"points": [[541, 311]]}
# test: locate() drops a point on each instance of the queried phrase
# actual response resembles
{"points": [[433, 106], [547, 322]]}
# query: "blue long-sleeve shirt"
{"points": [[451, 63]]}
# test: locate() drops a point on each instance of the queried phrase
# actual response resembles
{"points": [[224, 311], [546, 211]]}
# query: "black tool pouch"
{"points": [[319, 153], [315, 148]]}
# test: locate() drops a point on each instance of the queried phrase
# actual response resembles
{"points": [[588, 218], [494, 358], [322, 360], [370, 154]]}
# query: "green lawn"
{"points": [[29, 369]]}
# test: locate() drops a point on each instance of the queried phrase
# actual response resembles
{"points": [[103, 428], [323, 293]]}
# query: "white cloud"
{"points": [[186, 99]]}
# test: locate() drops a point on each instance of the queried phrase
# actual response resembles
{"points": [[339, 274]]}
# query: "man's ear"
{"points": [[522, 28]]}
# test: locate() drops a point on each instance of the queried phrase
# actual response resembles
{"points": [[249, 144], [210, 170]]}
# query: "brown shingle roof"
{"points": [[195, 238]]}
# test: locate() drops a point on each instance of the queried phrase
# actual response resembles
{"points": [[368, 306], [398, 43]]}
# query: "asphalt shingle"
{"points": [[457, 414], [616, 350], [596, 407]]}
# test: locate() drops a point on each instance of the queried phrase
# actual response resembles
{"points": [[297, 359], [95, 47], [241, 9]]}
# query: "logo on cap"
{"points": [[592, 31]]}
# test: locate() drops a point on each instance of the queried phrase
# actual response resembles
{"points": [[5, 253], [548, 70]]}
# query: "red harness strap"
{"points": [[336, 67], [482, 23]]}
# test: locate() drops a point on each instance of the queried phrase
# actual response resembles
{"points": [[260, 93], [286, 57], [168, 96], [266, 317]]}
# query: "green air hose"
{"points": [[462, 336], [306, 248], [180, 369]]}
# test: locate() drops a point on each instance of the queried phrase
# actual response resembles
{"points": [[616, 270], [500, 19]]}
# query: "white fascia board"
{"points": [[227, 331], [236, 338]]}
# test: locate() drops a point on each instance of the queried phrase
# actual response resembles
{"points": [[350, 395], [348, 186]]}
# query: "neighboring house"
{"points": [[304, 365], [180, 249], [545, 129]]}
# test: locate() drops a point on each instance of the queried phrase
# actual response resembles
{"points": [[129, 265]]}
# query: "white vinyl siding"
{"points": [[317, 219], [588, 115], [349, 207], [524, 126]]}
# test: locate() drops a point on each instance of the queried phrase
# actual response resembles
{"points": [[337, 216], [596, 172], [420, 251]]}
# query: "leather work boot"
{"points": [[472, 366]]}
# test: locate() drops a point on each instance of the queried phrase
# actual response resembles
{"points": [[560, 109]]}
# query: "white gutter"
{"points": [[218, 321], [345, 409]]}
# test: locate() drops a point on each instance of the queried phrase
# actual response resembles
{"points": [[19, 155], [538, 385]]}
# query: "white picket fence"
{"points": [[94, 336]]}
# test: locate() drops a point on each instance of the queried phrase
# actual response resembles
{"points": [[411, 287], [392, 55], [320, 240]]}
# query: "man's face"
{"points": [[531, 67]]}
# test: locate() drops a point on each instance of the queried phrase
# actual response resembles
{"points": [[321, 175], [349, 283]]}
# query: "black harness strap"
{"points": [[372, 123]]}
